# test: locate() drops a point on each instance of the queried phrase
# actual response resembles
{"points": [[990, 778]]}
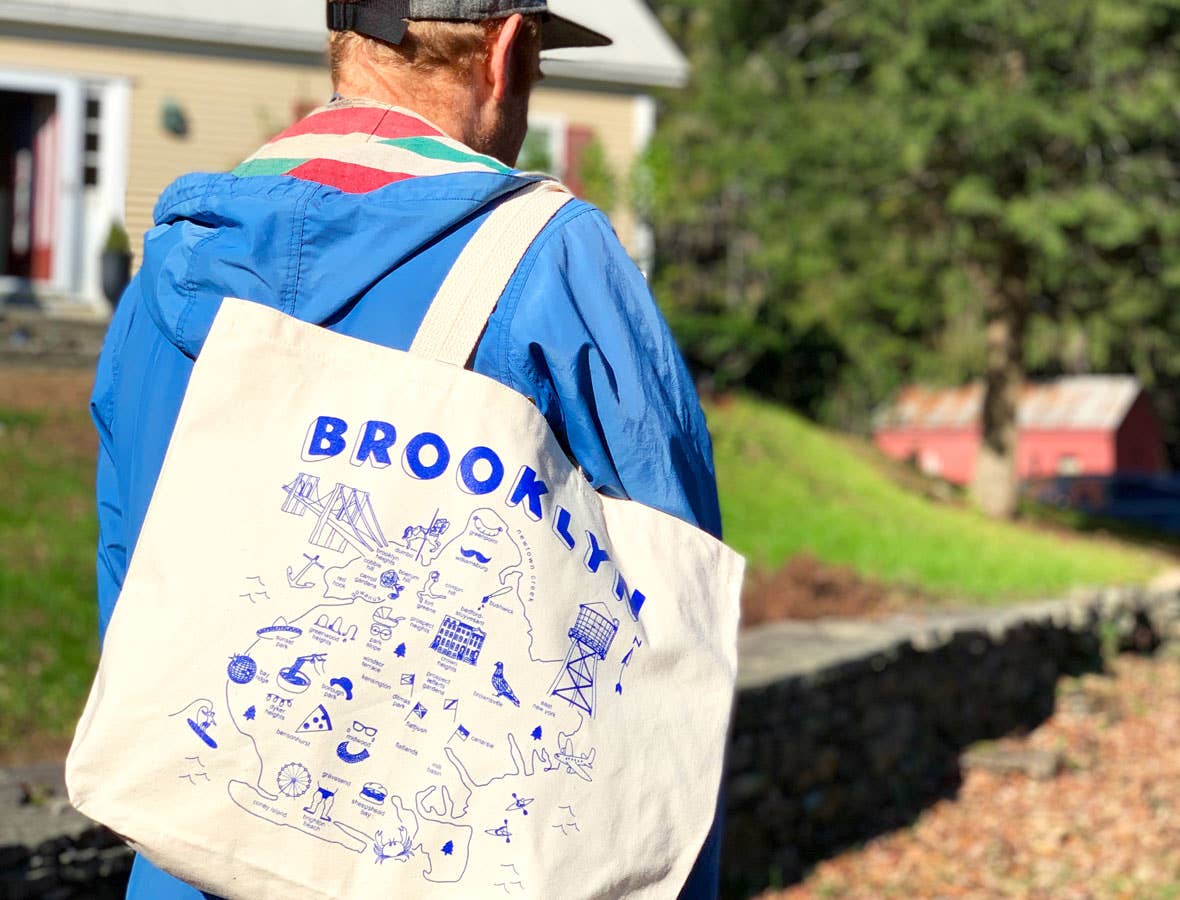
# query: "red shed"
{"points": [[1082, 425]]}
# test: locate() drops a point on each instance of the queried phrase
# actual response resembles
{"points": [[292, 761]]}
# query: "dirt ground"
{"points": [[1106, 826], [30, 389], [806, 588], [62, 396]]}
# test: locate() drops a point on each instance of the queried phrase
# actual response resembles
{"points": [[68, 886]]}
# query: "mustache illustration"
{"points": [[476, 555]]}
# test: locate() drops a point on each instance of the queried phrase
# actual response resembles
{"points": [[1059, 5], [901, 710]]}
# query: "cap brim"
{"points": [[557, 33]]}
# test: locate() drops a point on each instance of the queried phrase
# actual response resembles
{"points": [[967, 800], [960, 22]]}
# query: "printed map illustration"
{"points": [[422, 704]]}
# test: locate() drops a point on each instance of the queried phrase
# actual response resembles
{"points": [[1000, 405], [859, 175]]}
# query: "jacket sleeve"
{"points": [[587, 343], [112, 552], [112, 541]]}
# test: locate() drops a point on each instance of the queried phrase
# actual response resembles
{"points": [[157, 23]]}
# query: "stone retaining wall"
{"points": [[30, 336], [92, 865], [846, 729], [50, 852], [842, 730]]}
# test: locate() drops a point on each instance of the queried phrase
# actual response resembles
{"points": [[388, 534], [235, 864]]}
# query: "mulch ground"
{"points": [[806, 588], [1106, 826], [60, 396]]}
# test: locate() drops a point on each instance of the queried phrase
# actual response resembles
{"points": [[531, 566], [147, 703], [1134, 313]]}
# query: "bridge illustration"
{"points": [[345, 517]]}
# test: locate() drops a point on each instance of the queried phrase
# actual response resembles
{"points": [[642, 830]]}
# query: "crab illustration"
{"points": [[401, 845]]}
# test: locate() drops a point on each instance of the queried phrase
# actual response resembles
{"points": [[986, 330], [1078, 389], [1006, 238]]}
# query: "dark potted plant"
{"points": [[116, 263]]}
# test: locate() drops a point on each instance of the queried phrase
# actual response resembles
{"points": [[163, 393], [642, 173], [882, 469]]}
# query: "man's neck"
{"points": [[444, 106]]}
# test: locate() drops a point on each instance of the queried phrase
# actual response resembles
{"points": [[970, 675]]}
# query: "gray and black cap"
{"points": [[386, 19]]}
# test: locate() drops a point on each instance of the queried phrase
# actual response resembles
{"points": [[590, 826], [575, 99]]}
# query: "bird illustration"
{"points": [[503, 688]]}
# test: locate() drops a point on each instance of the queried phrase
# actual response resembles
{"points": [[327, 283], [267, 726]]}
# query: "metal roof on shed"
{"points": [[1076, 403], [642, 54]]}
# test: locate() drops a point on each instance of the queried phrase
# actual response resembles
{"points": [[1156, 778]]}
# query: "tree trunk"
{"points": [[995, 486]]}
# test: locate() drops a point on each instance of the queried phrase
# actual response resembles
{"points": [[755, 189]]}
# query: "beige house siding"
{"points": [[233, 101], [611, 115]]}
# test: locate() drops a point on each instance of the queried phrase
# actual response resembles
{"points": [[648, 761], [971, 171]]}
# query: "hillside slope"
{"points": [[788, 486]]}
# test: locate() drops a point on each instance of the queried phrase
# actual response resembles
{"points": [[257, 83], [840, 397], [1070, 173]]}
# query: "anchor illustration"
{"points": [[296, 581]]}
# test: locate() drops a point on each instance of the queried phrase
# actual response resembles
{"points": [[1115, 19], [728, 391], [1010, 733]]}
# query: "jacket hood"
{"points": [[304, 248]]}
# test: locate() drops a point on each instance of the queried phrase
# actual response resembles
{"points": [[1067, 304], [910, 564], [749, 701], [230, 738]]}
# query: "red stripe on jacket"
{"points": [[348, 177], [379, 123]]}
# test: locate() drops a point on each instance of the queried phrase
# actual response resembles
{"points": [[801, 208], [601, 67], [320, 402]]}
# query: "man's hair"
{"points": [[433, 47]]}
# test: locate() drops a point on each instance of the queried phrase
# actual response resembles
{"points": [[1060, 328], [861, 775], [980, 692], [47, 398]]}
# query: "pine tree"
{"points": [[851, 196]]}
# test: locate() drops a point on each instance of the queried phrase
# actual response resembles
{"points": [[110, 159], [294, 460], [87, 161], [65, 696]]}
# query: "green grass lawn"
{"points": [[788, 486], [48, 620]]}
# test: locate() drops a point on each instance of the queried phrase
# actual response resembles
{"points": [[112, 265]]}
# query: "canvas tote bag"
{"points": [[379, 637]]}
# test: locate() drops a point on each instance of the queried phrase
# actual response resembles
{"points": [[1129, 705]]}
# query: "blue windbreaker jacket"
{"points": [[576, 331]]}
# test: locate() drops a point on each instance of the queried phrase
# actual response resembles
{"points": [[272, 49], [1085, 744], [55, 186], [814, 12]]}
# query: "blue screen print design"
{"points": [[421, 702]]}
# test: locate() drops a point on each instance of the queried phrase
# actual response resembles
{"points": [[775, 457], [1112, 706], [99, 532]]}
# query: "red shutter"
{"points": [[577, 139]]}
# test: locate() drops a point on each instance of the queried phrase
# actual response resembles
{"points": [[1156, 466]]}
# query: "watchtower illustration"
{"points": [[590, 642], [346, 517]]}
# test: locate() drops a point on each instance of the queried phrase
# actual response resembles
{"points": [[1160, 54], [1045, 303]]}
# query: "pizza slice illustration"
{"points": [[317, 720]]}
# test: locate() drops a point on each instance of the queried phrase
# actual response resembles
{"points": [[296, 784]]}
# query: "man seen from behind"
{"points": [[351, 219]]}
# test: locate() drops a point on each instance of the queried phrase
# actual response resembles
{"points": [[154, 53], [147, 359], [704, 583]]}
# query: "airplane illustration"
{"points": [[578, 764]]}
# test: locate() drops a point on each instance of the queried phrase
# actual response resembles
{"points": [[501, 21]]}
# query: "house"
{"points": [[1091, 425], [105, 102]]}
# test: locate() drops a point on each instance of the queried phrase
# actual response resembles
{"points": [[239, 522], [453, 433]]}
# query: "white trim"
{"points": [[615, 73], [175, 27], [643, 118], [114, 145], [556, 126], [33, 82], [105, 201], [71, 224]]}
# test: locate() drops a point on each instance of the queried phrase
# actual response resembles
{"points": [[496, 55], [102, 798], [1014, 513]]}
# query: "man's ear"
{"points": [[504, 46]]}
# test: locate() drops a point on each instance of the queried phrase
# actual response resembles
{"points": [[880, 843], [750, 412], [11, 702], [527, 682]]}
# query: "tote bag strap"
{"points": [[459, 313]]}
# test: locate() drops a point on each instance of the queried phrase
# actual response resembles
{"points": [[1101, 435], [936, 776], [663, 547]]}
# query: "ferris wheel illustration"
{"points": [[294, 780]]}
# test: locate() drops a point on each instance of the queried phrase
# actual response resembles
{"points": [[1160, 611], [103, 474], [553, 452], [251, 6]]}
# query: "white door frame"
{"points": [[69, 228], [106, 201]]}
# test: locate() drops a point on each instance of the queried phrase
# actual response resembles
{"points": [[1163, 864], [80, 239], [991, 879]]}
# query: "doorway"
{"points": [[28, 184]]}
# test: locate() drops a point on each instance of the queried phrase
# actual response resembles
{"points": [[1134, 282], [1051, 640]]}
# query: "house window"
{"points": [[579, 146], [572, 153], [1068, 465], [544, 147], [93, 138]]}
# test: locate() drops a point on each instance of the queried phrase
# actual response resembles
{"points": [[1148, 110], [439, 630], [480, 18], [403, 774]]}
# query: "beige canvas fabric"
{"points": [[380, 638]]}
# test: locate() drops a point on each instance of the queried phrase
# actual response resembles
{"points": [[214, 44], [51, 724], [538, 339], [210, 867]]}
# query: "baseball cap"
{"points": [[386, 19]]}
